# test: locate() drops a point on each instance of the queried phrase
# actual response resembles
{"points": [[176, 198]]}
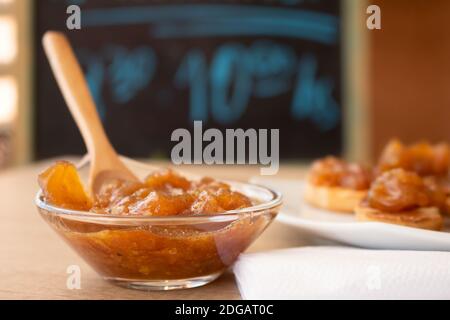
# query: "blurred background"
{"points": [[308, 67]]}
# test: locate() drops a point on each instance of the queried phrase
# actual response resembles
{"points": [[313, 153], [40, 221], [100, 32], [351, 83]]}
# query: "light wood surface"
{"points": [[33, 260]]}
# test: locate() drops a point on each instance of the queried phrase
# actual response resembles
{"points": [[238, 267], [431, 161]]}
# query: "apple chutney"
{"points": [[165, 228]]}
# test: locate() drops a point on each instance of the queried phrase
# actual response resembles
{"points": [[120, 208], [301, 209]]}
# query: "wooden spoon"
{"points": [[105, 163]]}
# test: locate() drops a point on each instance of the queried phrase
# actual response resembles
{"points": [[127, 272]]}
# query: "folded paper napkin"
{"points": [[343, 273]]}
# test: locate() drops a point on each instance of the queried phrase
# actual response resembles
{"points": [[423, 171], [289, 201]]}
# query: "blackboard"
{"points": [[154, 67]]}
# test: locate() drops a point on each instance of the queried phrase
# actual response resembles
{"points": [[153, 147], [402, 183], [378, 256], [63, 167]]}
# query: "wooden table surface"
{"points": [[34, 260]]}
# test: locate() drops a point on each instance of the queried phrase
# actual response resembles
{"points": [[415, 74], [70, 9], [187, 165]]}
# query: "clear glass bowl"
{"points": [[162, 253]]}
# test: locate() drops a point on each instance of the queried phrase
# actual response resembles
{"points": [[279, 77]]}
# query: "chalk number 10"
{"points": [[236, 73]]}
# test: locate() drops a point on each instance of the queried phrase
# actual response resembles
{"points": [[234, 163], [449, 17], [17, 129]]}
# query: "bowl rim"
{"points": [[276, 201]]}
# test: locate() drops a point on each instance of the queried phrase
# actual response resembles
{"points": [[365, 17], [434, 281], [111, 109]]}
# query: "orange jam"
{"points": [[334, 172], [398, 190], [163, 193], [423, 158], [148, 250]]}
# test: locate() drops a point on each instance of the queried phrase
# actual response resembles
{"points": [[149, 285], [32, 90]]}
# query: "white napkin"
{"points": [[343, 273]]}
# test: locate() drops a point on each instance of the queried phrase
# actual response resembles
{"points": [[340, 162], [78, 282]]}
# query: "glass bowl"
{"points": [[162, 253]]}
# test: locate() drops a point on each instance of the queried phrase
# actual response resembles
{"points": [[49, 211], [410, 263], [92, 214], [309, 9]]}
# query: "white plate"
{"points": [[345, 229]]}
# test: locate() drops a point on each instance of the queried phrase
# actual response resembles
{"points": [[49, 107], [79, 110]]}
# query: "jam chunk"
{"points": [[398, 190], [116, 196], [334, 172], [166, 179], [423, 158], [158, 203], [163, 193], [212, 200], [62, 187]]}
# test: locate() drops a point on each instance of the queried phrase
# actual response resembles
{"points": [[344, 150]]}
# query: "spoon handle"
{"points": [[76, 92]]}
